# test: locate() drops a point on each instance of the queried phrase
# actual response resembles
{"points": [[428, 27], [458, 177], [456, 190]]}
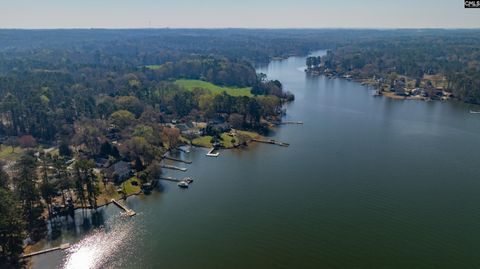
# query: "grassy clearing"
{"points": [[248, 134], [227, 140], [129, 188], [7, 154], [239, 138], [245, 136], [203, 141], [190, 84]]}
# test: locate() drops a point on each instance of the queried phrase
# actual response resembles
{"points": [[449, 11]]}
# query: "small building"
{"points": [[399, 87], [400, 91], [101, 162], [416, 91]]}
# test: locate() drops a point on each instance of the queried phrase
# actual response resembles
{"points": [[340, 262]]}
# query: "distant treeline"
{"points": [[50, 80]]}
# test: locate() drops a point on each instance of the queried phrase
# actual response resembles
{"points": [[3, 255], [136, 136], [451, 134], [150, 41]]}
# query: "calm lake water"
{"points": [[368, 182]]}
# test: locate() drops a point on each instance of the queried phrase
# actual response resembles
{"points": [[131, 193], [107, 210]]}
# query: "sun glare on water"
{"points": [[99, 248]]}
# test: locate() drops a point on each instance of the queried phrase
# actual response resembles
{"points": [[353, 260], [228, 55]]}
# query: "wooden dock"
{"points": [[271, 141], [211, 154], [128, 211], [172, 167], [172, 179], [61, 247], [176, 160], [184, 150], [291, 122]]}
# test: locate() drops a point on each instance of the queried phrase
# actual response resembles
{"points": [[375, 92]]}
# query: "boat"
{"points": [[182, 184], [474, 112], [189, 180], [147, 188], [377, 93]]}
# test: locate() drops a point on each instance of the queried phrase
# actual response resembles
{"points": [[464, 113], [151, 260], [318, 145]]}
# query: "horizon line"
{"points": [[241, 28]]}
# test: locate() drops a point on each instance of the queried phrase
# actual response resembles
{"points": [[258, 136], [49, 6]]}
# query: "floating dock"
{"points": [[128, 211], [271, 141], [61, 247], [172, 167], [211, 154]]}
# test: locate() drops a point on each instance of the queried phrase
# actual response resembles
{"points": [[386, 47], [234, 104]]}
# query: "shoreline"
{"points": [[37, 246], [106, 201], [389, 94]]}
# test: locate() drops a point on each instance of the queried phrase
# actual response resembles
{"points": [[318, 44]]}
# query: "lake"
{"points": [[367, 182]]}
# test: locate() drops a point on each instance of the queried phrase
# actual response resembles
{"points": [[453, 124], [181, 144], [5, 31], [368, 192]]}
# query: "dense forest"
{"points": [[449, 56], [74, 102]]}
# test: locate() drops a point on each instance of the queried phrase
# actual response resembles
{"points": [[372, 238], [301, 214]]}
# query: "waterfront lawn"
{"points": [[107, 193], [227, 140], [203, 141], [129, 188], [191, 84], [248, 134]]}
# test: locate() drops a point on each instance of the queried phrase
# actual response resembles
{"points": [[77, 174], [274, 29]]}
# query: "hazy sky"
{"points": [[238, 13]]}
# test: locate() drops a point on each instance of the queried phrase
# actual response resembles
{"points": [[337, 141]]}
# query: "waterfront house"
{"points": [[119, 171], [399, 87], [188, 129], [221, 127]]}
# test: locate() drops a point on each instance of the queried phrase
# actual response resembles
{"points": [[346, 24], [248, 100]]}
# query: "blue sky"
{"points": [[243, 13]]}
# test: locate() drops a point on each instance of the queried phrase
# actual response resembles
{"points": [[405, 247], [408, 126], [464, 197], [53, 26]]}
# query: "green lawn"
{"points": [[129, 188], [191, 84], [203, 141], [227, 140], [6, 153]]}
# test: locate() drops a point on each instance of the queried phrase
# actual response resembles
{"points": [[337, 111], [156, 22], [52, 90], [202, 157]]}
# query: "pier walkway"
{"points": [[271, 141], [290, 122], [187, 179], [211, 154], [128, 211], [172, 167], [175, 159], [61, 247]]}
